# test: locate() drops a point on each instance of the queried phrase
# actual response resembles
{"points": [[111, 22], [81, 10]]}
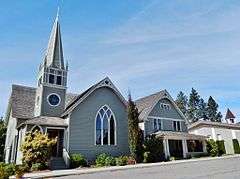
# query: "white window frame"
{"points": [[165, 106], [115, 128], [180, 126], [57, 96], [158, 128]]}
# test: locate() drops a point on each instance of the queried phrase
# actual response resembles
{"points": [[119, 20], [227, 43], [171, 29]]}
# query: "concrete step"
{"points": [[57, 163]]}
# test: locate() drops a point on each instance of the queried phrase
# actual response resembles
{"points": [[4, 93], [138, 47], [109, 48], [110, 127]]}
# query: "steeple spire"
{"points": [[54, 53]]}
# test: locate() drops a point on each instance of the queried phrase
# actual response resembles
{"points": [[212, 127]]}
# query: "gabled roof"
{"points": [[146, 104], [54, 53], [106, 82], [22, 102], [229, 114]]}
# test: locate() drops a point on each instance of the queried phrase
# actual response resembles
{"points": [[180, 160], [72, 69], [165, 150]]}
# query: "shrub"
{"points": [[38, 166], [77, 160], [221, 147], [20, 169], [131, 161], [110, 161], [9, 169], [100, 160], [212, 148], [121, 161], [236, 146], [36, 148], [147, 158], [6, 170], [153, 148]]}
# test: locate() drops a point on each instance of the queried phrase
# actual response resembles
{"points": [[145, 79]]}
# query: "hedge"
{"points": [[221, 147], [236, 146]]}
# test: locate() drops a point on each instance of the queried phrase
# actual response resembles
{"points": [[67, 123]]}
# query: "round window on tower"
{"points": [[54, 99]]}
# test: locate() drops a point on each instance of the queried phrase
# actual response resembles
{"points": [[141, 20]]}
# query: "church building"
{"points": [[92, 122]]}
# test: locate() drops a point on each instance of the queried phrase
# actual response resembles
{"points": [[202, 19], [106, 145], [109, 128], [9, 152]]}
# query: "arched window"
{"points": [[105, 127]]}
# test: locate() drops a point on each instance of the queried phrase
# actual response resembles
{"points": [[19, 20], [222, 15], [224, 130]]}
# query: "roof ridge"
{"points": [[161, 91]]}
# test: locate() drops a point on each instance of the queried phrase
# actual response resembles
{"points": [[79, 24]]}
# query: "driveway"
{"points": [[225, 168]]}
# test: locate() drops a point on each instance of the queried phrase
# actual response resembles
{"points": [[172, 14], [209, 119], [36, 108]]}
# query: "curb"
{"points": [[61, 173]]}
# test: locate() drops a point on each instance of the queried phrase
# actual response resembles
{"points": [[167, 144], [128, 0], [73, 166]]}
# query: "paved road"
{"points": [[228, 168]]}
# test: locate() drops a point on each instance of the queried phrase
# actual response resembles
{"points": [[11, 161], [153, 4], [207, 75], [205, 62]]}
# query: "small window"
{"points": [[165, 106], [51, 79], [59, 80], [155, 124], [159, 124], [176, 126]]}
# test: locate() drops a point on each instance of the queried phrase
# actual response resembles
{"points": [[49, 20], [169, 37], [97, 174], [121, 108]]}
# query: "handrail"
{"points": [[66, 157]]}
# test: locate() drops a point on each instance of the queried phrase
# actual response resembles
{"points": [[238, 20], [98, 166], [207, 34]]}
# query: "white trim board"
{"points": [[164, 118]]}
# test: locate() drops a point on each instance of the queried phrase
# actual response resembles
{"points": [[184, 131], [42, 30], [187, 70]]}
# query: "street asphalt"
{"points": [[225, 168]]}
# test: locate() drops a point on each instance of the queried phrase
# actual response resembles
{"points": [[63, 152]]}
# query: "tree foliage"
{"points": [[196, 108], [134, 132], [3, 131], [182, 102], [153, 149], [193, 104], [212, 111], [36, 148]]}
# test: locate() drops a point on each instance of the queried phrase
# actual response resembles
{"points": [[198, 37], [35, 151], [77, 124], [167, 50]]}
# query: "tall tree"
{"points": [[134, 132], [3, 131], [193, 104], [181, 102], [202, 110], [212, 111]]}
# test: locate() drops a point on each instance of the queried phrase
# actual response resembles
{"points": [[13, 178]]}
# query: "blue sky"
{"points": [[142, 45]]}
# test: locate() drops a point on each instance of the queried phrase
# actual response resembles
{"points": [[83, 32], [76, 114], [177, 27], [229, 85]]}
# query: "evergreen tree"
{"points": [[3, 131], [212, 111], [181, 102], [134, 132], [193, 104], [202, 110]]}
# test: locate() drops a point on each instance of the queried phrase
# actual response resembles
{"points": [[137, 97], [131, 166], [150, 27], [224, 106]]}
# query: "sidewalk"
{"points": [[58, 173]]}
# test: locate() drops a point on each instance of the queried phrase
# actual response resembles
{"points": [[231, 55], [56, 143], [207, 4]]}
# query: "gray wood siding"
{"points": [[167, 124], [82, 125], [159, 112]]}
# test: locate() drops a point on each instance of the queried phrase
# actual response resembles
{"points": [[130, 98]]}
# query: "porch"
{"points": [[181, 144]]}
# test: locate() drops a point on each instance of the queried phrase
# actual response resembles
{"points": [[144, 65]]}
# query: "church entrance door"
{"points": [[57, 150]]}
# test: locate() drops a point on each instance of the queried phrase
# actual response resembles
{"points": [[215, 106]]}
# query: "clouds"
{"points": [[142, 45]]}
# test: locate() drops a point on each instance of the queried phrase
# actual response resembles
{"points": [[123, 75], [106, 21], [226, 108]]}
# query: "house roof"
{"points": [[22, 101], [229, 115], [47, 121], [146, 104], [200, 124], [179, 135], [106, 82]]}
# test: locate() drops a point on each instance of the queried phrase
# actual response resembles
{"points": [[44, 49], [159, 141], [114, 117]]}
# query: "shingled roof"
{"points": [[47, 121], [22, 101], [145, 104]]}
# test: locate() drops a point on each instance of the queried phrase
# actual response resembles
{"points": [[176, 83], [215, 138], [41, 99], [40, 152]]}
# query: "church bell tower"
{"points": [[52, 77]]}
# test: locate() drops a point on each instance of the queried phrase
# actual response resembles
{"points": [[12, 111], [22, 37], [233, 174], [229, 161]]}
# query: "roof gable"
{"points": [[106, 82], [146, 104]]}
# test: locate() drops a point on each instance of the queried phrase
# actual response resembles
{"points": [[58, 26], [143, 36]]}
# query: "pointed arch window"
{"points": [[105, 127]]}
